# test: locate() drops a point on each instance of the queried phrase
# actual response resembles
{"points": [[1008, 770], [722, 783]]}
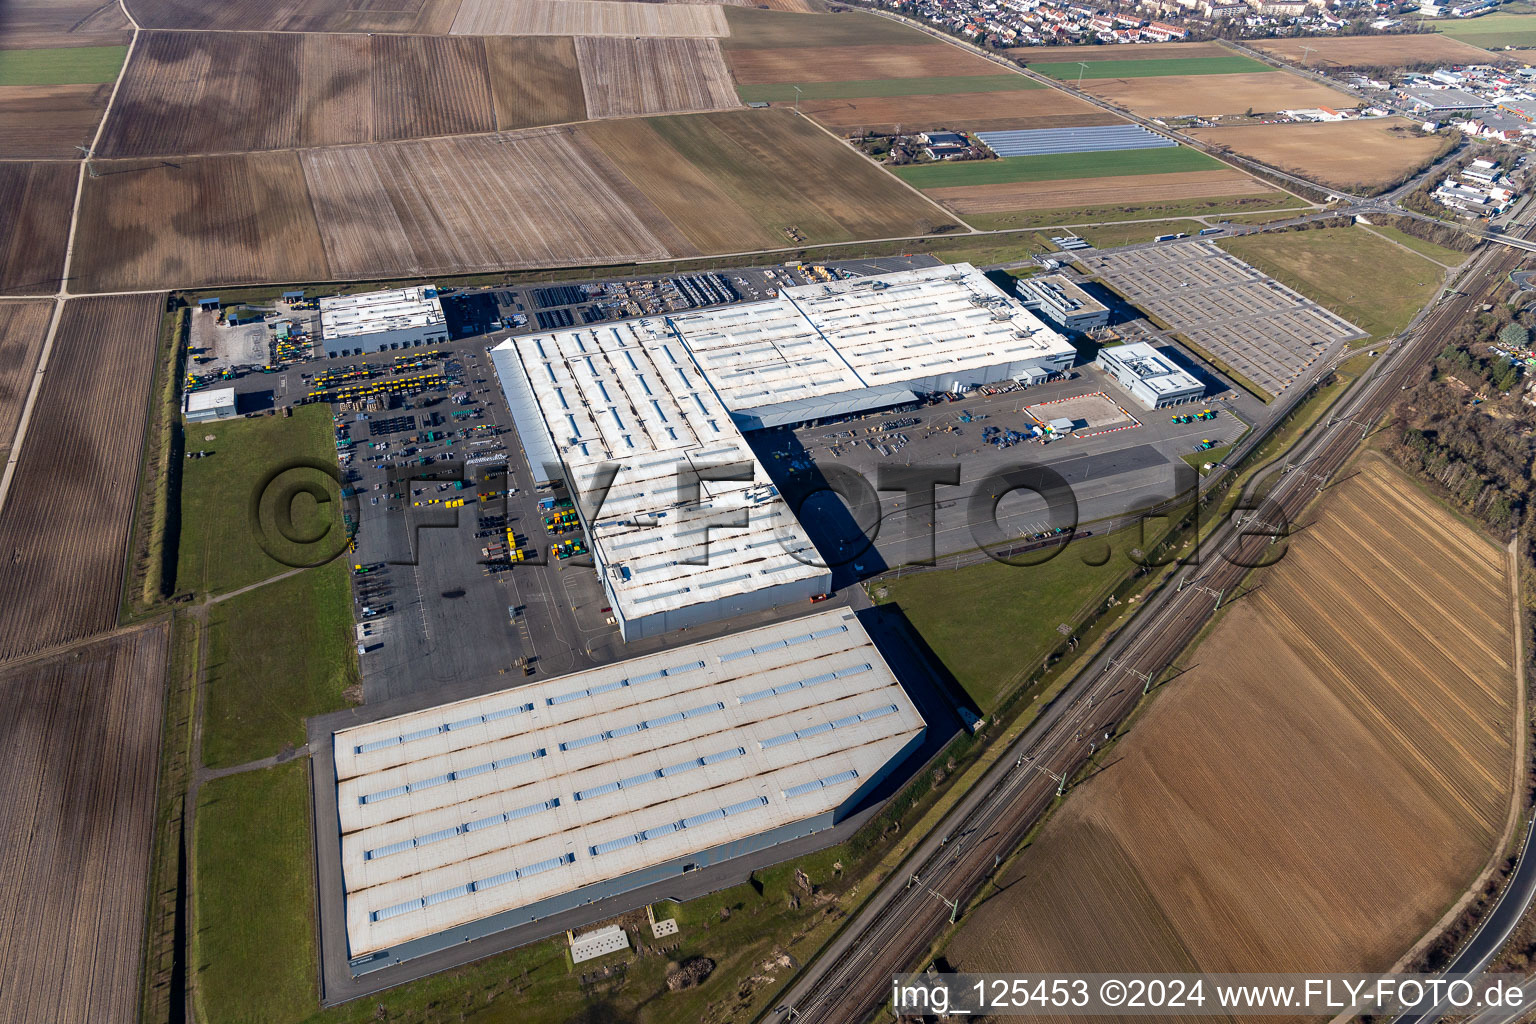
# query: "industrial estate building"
{"points": [[469, 818], [1152, 378], [682, 520], [210, 404], [380, 321], [1063, 303]]}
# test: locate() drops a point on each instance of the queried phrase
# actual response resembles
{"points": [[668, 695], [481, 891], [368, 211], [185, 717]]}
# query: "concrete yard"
{"points": [[1264, 331]]}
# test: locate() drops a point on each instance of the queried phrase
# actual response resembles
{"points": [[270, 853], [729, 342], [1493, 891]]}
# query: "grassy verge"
{"points": [[152, 571], [1330, 266], [1439, 253], [1109, 236], [219, 549], [276, 655], [160, 991], [1057, 167], [1025, 604], [1212, 205], [252, 953], [785, 93], [1067, 71], [65, 65]]}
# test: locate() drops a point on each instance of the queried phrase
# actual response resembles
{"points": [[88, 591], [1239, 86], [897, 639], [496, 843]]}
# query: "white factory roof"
{"points": [[349, 316], [627, 395], [211, 400], [468, 809], [1153, 369], [821, 339]]}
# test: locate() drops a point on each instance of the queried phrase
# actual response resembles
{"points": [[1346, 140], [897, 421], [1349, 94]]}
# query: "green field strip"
{"points": [[1165, 67], [1056, 167], [70, 65], [785, 93]]}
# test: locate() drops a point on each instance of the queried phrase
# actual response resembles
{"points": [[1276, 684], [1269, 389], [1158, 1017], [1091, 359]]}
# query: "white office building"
{"points": [[1062, 303], [1152, 378]]}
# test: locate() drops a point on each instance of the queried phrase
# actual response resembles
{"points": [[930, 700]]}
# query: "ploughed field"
{"points": [[1331, 772], [34, 225], [22, 328], [1345, 154], [64, 527], [1372, 51], [81, 734], [49, 121]]}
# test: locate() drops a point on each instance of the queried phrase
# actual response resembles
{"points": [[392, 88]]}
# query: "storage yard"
{"points": [[1360, 154], [628, 77], [65, 521], [22, 328], [1362, 689], [81, 731], [34, 225], [1263, 330]]}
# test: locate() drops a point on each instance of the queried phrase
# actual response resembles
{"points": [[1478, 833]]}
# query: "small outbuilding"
{"points": [[213, 404]]}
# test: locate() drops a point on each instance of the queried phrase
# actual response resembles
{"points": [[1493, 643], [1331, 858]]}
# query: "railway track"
{"points": [[895, 930]]}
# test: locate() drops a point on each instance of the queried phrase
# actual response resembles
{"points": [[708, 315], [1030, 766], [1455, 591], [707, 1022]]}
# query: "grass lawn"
{"points": [[784, 93], [68, 65], [1438, 253], [1111, 235], [1491, 30], [985, 250], [276, 655], [1057, 166], [253, 941], [1019, 607], [1067, 71], [219, 550], [1139, 211], [1327, 266]]}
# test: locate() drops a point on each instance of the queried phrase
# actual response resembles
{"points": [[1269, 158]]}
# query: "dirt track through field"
{"points": [[1329, 774], [1056, 195], [81, 734], [64, 526], [23, 326], [629, 77]]}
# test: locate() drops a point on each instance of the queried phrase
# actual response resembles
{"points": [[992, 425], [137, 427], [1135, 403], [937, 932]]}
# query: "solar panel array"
{"points": [[1091, 139]]}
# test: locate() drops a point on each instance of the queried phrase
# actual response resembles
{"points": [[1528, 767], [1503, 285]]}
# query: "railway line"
{"points": [[894, 931]]}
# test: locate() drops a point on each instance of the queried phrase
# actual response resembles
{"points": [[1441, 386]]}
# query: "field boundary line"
{"points": [[84, 641]]}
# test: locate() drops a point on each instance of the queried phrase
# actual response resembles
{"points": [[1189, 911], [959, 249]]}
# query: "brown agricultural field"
{"points": [[1140, 51], [1373, 51], [23, 326], [39, 23], [587, 18], [1174, 95], [767, 168], [960, 111], [64, 526], [202, 220], [35, 200], [1345, 154], [534, 80], [752, 28], [627, 77], [419, 17], [189, 92], [1079, 192], [541, 197], [42, 121], [855, 63], [1332, 771], [82, 738]]}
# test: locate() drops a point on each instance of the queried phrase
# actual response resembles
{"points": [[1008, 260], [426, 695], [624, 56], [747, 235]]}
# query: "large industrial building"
{"points": [[352, 325], [1152, 378], [466, 819], [1063, 303], [682, 520], [825, 350]]}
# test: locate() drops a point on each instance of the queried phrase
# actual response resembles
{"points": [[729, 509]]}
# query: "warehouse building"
{"points": [[466, 819], [1151, 377], [821, 351], [205, 406], [683, 522], [1063, 304], [352, 325]]}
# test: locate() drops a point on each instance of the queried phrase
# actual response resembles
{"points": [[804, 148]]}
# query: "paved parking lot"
{"points": [[1263, 330]]}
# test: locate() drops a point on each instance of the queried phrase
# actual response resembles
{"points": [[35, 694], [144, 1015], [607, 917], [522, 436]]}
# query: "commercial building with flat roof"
{"points": [[212, 404], [682, 521], [380, 321], [1063, 303], [469, 818], [824, 350], [1152, 378]]}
